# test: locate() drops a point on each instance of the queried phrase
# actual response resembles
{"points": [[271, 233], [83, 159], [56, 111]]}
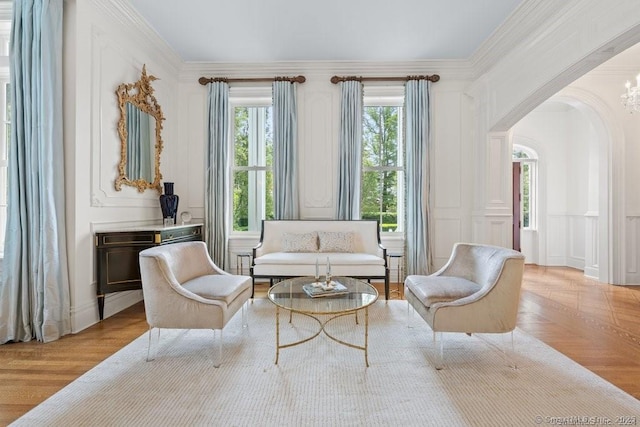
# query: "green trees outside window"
{"points": [[252, 167], [382, 191]]}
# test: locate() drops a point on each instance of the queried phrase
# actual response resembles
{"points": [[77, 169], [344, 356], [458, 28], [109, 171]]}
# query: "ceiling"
{"points": [[305, 30]]}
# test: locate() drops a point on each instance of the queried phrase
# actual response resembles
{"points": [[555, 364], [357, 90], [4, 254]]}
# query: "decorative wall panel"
{"points": [[633, 249], [318, 155], [447, 152]]}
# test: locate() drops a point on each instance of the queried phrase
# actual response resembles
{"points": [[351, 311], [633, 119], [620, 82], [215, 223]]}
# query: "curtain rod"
{"points": [[336, 79], [298, 79]]}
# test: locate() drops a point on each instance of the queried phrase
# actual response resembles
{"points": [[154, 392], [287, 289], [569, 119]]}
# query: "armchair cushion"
{"points": [[434, 289], [218, 287]]}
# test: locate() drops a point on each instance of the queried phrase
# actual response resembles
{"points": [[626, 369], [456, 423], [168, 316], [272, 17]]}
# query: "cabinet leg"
{"points": [[101, 306]]}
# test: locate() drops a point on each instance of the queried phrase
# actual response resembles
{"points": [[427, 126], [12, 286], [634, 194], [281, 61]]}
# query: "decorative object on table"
{"points": [[169, 203], [317, 276], [325, 289], [328, 275], [185, 217]]}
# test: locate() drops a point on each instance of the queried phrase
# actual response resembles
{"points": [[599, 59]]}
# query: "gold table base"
{"points": [[322, 329]]}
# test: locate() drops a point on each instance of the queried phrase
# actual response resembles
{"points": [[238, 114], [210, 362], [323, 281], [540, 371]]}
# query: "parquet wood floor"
{"points": [[595, 324]]}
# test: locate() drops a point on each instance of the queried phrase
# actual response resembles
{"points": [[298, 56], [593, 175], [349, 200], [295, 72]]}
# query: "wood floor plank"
{"points": [[595, 324]]}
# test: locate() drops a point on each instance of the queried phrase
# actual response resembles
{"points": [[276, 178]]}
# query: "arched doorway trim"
{"points": [[611, 203]]}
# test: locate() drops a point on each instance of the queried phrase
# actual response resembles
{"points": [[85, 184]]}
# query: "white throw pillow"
{"points": [[305, 242], [336, 241]]}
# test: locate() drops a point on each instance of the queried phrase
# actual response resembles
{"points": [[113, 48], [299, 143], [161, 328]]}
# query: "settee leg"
{"points": [[386, 285]]}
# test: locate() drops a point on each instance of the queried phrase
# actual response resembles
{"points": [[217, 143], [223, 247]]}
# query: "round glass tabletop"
{"points": [[290, 295]]}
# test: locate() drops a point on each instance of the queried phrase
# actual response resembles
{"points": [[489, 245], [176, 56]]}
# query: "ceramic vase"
{"points": [[169, 202]]}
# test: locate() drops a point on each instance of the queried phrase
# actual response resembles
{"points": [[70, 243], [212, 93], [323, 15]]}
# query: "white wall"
{"points": [[106, 44], [104, 47]]}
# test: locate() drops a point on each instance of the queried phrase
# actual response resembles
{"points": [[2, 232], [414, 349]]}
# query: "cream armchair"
{"points": [[477, 291], [184, 289]]}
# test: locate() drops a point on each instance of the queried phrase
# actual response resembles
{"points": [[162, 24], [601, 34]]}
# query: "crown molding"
{"points": [[528, 18], [128, 17]]}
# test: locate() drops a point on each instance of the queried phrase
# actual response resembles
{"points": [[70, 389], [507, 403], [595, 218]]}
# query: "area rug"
{"points": [[322, 383]]}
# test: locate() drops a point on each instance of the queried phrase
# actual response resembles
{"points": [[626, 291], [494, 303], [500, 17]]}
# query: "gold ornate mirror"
{"points": [[140, 129]]}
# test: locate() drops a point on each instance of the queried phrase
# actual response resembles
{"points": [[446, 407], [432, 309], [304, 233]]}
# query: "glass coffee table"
{"points": [[289, 295]]}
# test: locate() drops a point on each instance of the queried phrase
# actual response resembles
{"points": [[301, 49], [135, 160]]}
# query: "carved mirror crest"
{"points": [[140, 130]]}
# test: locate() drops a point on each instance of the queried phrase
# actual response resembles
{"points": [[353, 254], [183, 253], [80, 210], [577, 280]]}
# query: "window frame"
{"points": [[258, 97], [389, 96]]}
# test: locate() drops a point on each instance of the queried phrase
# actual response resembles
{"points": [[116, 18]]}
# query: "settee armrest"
{"points": [[257, 251]]}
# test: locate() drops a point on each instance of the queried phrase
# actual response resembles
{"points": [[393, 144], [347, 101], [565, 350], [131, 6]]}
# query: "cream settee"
{"points": [[290, 248]]}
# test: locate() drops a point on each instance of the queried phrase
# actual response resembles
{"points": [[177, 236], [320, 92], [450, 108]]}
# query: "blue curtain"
{"points": [[139, 143], [285, 158], [217, 172], [418, 141], [349, 150], [34, 292]]}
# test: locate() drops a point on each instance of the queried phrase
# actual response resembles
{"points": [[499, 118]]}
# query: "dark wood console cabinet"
{"points": [[117, 254]]}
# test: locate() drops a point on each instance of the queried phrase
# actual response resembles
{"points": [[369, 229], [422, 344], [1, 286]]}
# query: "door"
{"points": [[516, 197]]}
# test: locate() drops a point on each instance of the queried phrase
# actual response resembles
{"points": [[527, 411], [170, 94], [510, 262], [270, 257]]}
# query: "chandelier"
{"points": [[631, 99]]}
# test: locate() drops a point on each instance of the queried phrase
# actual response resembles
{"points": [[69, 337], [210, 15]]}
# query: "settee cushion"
{"points": [[223, 287], [336, 241], [300, 242], [433, 289]]}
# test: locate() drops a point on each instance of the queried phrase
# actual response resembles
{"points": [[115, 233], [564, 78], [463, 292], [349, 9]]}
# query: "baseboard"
{"points": [[592, 272], [87, 315]]}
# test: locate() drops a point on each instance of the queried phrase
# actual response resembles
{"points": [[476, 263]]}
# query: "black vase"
{"points": [[169, 202]]}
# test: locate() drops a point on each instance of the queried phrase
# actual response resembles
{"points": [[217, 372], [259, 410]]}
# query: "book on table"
{"points": [[321, 289]]}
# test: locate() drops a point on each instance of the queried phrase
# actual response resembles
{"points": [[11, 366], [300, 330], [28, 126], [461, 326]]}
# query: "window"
{"points": [[382, 191], [252, 173], [528, 161]]}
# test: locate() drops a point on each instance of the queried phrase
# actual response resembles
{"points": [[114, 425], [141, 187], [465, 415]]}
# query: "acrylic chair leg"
{"points": [[438, 344], [512, 350], [218, 351], [411, 312], [153, 343], [245, 322]]}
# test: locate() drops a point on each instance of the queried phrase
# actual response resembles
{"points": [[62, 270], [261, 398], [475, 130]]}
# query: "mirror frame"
{"points": [[140, 94]]}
